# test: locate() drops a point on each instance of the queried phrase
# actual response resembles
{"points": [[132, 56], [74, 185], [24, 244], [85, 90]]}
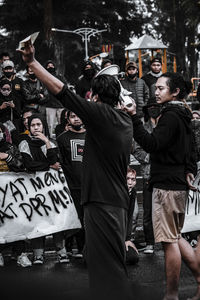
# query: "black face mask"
{"points": [[131, 76], [51, 70], [76, 127], [196, 124], [32, 76], [8, 74], [89, 73], [154, 112]]}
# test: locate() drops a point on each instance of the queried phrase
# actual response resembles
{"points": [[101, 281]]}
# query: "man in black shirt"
{"points": [[152, 76], [104, 189], [172, 168], [71, 146]]}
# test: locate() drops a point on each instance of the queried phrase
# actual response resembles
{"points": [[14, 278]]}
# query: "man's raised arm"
{"points": [[53, 84]]}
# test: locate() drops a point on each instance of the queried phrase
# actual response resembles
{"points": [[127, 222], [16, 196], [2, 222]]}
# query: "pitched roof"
{"points": [[146, 42]]}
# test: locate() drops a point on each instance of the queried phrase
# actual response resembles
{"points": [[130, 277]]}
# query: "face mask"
{"points": [[8, 74], [5, 93], [132, 75], [154, 112], [32, 76], [51, 70], [76, 127], [1, 136], [196, 123], [89, 73]]}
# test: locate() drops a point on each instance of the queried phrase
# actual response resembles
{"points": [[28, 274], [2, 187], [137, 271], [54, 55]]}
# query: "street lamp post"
{"points": [[85, 33]]}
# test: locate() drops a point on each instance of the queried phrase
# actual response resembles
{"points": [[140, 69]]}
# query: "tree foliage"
{"points": [[176, 21], [119, 17]]}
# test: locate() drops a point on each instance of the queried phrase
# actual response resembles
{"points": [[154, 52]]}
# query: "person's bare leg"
{"points": [[172, 269], [197, 250], [190, 258]]}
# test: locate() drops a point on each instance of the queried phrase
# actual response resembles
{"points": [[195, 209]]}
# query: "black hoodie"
{"points": [[170, 146]]}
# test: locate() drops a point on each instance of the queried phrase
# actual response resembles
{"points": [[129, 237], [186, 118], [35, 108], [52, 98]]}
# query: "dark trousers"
{"points": [[17, 247], [80, 235], [147, 214], [105, 228]]}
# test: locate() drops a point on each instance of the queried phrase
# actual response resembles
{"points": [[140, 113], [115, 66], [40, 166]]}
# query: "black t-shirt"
{"points": [[71, 146], [107, 150]]}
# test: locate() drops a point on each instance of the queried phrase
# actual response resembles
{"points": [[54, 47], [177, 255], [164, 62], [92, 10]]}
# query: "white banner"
{"points": [[34, 205], [192, 212]]}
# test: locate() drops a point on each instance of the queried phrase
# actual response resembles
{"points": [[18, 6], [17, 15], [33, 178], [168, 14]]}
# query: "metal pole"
{"points": [[86, 46]]}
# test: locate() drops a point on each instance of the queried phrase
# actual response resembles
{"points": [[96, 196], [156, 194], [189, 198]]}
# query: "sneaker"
{"points": [[78, 255], [1, 260], [63, 259], [140, 246], [38, 260], [23, 261], [193, 243], [149, 249]]}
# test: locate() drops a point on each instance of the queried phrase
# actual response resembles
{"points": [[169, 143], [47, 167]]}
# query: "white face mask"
{"points": [[1, 136]]}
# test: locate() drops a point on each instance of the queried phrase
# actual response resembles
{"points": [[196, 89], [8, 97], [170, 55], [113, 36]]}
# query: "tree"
{"points": [[119, 17], [175, 21]]}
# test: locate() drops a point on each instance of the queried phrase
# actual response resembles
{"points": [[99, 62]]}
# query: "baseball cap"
{"points": [[131, 64], [155, 59], [7, 63]]}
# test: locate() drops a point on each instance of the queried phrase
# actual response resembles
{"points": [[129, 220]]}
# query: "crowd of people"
{"points": [[90, 134]]}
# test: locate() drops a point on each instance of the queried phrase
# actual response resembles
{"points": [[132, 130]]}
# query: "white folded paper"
{"points": [[31, 38]]}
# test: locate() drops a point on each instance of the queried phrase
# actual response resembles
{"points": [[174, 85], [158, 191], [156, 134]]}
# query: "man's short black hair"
{"points": [[107, 88], [4, 54], [174, 81]]}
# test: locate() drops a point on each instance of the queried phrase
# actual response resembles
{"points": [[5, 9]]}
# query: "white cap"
{"points": [[7, 63]]}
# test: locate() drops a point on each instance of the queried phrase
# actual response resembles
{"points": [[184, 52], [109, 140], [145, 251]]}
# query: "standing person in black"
{"points": [[138, 88], [104, 189], [36, 95], [172, 168], [84, 82], [132, 256], [62, 126], [151, 115], [152, 76], [9, 109], [71, 145], [9, 74]]}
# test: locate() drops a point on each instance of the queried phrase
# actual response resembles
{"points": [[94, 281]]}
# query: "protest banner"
{"points": [[192, 212], [34, 205]]}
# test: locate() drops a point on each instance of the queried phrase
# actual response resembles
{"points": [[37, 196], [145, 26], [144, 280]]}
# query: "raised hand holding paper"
{"points": [[31, 38]]}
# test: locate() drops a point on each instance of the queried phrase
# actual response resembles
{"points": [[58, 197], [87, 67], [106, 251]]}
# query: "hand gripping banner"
{"points": [[34, 205]]}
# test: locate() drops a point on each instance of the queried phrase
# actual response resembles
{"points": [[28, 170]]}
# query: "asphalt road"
{"points": [[54, 281]]}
